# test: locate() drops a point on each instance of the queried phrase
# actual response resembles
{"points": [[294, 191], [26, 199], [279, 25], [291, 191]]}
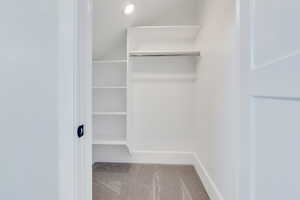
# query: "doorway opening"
{"points": [[156, 104]]}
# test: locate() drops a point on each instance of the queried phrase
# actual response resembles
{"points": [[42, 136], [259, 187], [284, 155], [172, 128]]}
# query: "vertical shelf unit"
{"points": [[110, 102]]}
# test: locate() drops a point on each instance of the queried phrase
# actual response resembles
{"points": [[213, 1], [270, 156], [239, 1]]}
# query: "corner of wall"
{"points": [[210, 186]]}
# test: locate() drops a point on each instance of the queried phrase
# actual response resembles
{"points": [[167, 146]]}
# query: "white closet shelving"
{"points": [[109, 87], [109, 142], [165, 53], [108, 61], [112, 87], [109, 102], [163, 41], [109, 113]]}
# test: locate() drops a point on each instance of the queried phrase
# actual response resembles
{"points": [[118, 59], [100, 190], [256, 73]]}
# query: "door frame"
{"points": [[68, 69], [244, 55]]}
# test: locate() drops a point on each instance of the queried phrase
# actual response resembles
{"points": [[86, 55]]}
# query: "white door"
{"points": [[270, 77], [83, 146]]}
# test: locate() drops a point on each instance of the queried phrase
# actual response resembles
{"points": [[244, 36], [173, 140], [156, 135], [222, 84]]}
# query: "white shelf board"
{"points": [[165, 53], [166, 27], [163, 41], [186, 77], [109, 113], [108, 61], [109, 142], [109, 87]]}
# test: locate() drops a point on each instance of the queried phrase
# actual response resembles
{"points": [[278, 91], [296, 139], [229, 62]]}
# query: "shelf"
{"points": [[109, 113], [191, 77], [166, 53], [108, 61], [109, 142], [110, 87], [163, 41]]}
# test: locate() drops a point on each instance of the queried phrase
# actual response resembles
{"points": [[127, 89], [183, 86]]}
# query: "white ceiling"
{"points": [[110, 23]]}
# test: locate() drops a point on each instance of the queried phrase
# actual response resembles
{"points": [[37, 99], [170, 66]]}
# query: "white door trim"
{"points": [[84, 84], [244, 179], [68, 68]]}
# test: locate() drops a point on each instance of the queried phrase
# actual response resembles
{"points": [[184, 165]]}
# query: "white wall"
{"points": [[218, 92], [163, 104], [28, 85]]}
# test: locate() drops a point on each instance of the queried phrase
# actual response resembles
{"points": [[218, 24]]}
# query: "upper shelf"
{"points": [[166, 53], [163, 41]]}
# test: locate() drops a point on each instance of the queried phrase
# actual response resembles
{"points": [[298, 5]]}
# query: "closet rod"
{"points": [[191, 53]]}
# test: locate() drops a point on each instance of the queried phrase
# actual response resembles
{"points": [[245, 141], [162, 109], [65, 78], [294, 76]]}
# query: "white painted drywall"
{"points": [[28, 108], [163, 104], [218, 95]]}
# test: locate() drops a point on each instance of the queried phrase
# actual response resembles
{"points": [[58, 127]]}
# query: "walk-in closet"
{"points": [[158, 75]]}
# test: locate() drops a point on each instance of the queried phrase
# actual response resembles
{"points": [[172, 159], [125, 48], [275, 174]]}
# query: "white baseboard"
{"points": [[147, 157], [209, 184], [162, 157]]}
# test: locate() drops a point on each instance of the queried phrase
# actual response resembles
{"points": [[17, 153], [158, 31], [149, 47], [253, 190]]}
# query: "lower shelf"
{"points": [[109, 113], [109, 142]]}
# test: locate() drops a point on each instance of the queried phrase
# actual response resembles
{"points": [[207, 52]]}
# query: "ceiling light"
{"points": [[129, 9]]}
